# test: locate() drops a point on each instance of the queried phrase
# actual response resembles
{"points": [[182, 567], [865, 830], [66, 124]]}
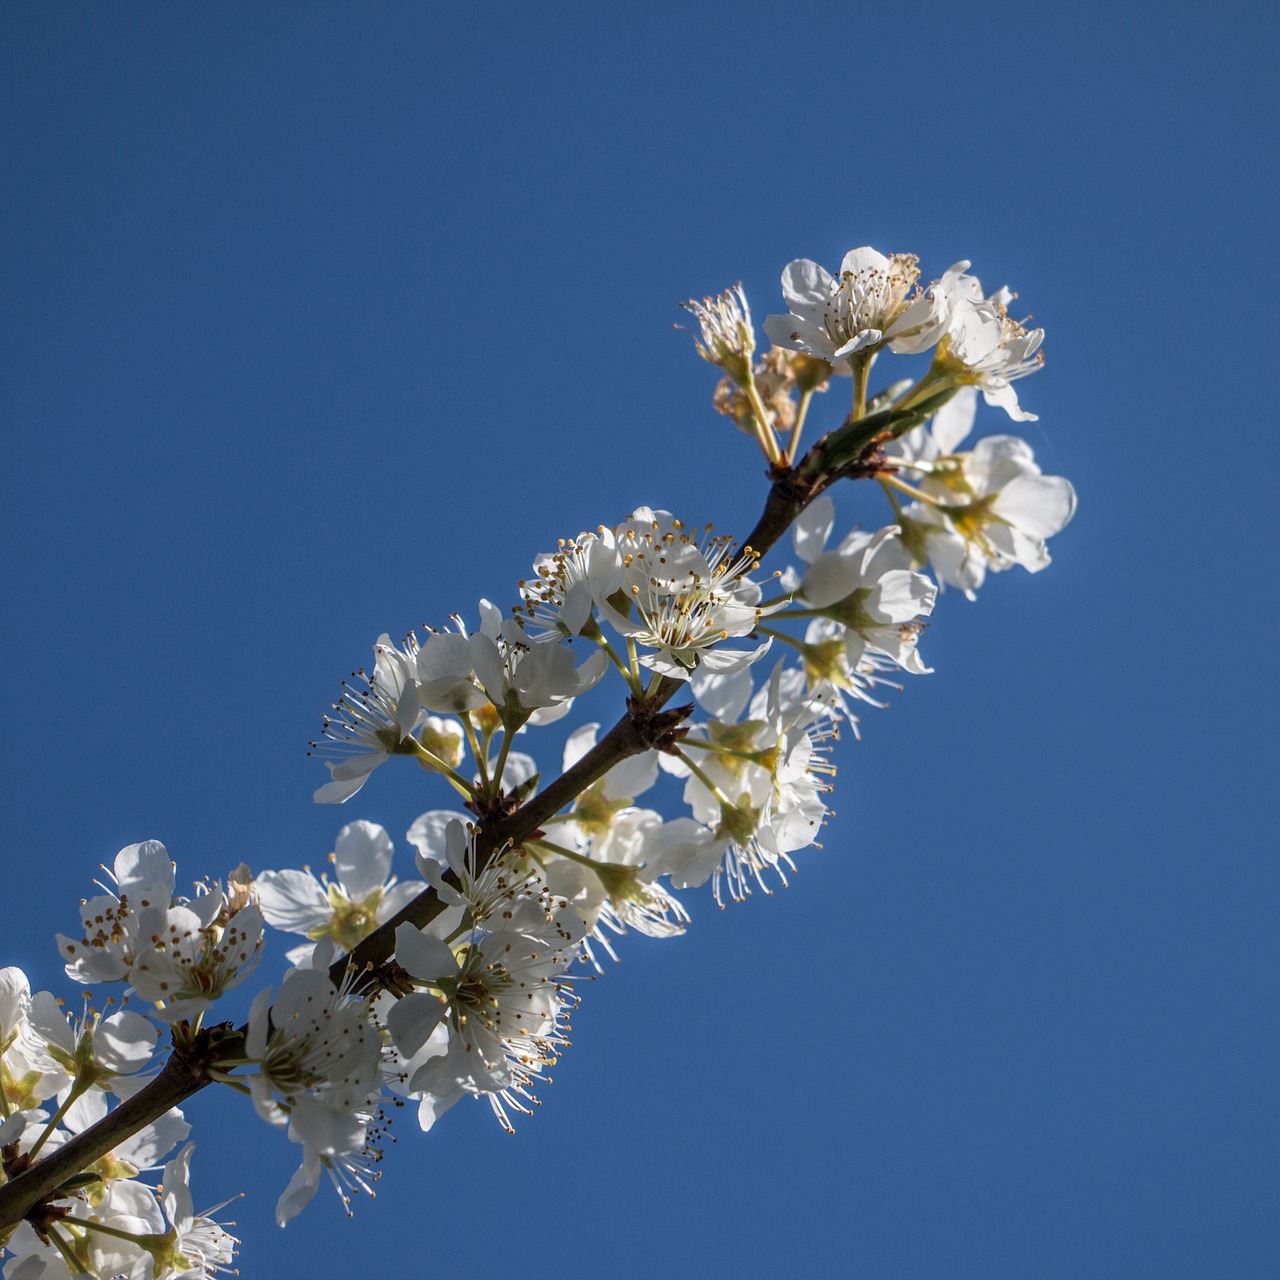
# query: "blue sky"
{"points": [[321, 320]]}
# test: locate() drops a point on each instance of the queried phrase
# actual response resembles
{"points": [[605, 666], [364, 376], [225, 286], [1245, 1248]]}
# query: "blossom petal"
{"points": [[901, 595], [292, 900], [413, 1018], [362, 858], [1038, 505], [812, 528], [422, 955], [806, 286], [953, 422], [829, 578]]}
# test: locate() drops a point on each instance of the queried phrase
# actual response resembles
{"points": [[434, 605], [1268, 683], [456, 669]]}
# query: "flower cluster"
{"points": [[179, 954], [462, 982], [58, 1077], [486, 1003]]}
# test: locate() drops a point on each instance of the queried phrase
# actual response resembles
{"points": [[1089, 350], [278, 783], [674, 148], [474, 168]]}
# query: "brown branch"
{"points": [[179, 1078], [643, 727]]}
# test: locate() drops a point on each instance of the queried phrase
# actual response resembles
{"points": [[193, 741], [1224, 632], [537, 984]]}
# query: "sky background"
{"points": [[322, 320]]}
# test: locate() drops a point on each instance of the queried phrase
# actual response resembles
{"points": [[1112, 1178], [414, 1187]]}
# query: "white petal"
{"points": [[362, 858], [577, 607], [1006, 398], [413, 1018], [579, 742], [723, 695], [425, 957], [124, 1042], [427, 834], [795, 333], [862, 259], [829, 578], [302, 1186], [953, 422], [291, 900], [813, 527], [901, 596], [1038, 505], [141, 866], [632, 777], [860, 342], [347, 780], [806, 287]]}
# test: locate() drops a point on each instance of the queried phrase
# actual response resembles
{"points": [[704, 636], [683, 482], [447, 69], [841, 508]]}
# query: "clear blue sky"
{"points": [[320, 320]]}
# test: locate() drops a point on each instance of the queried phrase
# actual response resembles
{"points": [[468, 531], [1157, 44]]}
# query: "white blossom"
{"points": [[985, 348], [505, 1000], [728, 336], [866, 586], [362, 895], [872, 303], [507, 891], [989, 508], [196, 951], [558, 599], [143, 879], [373, 719], [682, 593], [314, 1043]]}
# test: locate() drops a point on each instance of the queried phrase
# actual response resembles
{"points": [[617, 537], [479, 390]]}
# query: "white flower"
{"points": [[506, 892], [728, 337], [832, 677], [991, 509], [615, 891], [27, 1073], [445, 672], [335, 1143], [558, 598], [194, 1246], [505, 1000], [591, 822], [91, 1051], [362, 895], [143, 875], [197, 951], [682, 593], [371, 722], [871, 304], [528, 682], [754, 792], [986, 349], [315, 1042], [138, 1153], [866, 585]]}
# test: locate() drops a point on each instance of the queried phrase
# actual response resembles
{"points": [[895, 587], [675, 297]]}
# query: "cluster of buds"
{"points": [[461, 982]]}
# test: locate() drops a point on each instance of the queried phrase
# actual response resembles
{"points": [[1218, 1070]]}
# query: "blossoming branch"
{"points": [[460, 981]]}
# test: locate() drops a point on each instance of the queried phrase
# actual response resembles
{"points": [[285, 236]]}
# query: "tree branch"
{"points": [[179, 1078], [839, 453]]}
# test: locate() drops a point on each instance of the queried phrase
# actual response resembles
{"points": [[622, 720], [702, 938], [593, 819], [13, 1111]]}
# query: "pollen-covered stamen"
{"points": [[652, 910], [871, 297], [547, 593], [364, 719], [746, 859], [688, 589], [728, 336]]}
